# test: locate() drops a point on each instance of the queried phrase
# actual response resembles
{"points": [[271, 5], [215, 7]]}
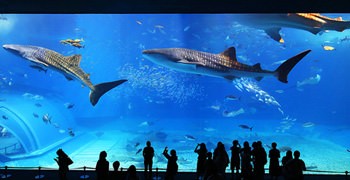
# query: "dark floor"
{"points": [[52, 175]]}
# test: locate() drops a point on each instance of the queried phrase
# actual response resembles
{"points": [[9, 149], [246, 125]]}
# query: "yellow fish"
{"points": [[328, 48]]}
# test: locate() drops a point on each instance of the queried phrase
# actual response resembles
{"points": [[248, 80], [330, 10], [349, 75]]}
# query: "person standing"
{"points": [[148, 153], [274, 167], [102, 166], [63, 162], [295, 167], [172, 166], [202, 151], [235, 158]]}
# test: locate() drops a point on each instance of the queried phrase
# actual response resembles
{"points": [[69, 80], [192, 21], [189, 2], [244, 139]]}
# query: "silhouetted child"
{"points": [[172, 166], [285, 159], [201, 150], [221, 158], [63, 162], [115, 174], [148, 153], [295, 167], [102, 166], [274, 155], [210, 168], [235, 158], [246, 161], [131, 173]]}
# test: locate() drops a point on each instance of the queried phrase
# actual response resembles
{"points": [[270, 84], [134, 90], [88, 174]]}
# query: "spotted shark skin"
{"points": [[69, 66], [224, 65]]}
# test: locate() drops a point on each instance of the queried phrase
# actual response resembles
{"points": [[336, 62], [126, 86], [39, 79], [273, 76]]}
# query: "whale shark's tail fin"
{"points": [[283, 70], [100, 89]]}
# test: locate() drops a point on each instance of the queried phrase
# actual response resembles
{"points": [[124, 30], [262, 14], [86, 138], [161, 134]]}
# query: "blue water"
{"points": [[165, 105]]}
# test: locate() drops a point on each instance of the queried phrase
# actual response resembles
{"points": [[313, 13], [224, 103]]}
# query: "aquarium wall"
{"points": [[92, 82]]}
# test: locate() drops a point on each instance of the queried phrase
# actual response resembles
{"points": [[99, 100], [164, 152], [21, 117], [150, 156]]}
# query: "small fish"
{"points": [[279, 91], [5, 117], [189, 137], [47, 118], [139, 22], [232, 98], [138, 151], [209, 129], [215, 107], [38, 105], [69, 105], [62, 131], [328, 48], [187, 28], [281, 41], [70, 132], [159, 26], [39, 68], [137, 144], [308, 124], [35, 115], [245, 127], [56, 125]]}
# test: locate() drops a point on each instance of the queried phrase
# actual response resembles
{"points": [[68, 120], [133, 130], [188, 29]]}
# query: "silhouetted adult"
{"points": [[148, 153], [102, 166], [63, 161], [115, 174], [210, 168], [172, 166], [260, 159], [131, 174], [246, 161], [202, 151], [235, 158], [285, 159], [221, 159], [274, 167], [295, 167]]}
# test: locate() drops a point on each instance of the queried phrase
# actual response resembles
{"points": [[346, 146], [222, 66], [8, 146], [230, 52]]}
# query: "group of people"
{"points": [[246, 163]]}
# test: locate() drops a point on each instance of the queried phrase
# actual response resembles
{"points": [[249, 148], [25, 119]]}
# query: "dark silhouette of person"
{"points": [[148, 153], [131, 174], [259, 160], [115, 174], [172, 166], [63, 162], [210, 168], [102, 166], [274, 167], [246, 160], [235, 158], [285, 159], [202, 151], [221, 158], [295, 167]]}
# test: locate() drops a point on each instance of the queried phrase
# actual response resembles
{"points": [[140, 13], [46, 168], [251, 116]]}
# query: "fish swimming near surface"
{"points": [[5, 117], [224, 65], [69, 105], [138, 151], [309, 81], [47, 118], [245, 127], [69, 66], [189, 137], [35, 115], [314, 23]]}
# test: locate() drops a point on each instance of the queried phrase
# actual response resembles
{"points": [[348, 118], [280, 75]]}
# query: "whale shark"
{"points": [[314, 23], [69, 66], [224, 65]]}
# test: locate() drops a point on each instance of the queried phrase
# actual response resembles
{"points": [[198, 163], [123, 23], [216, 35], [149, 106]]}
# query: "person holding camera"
{"points": [[172, 166]]}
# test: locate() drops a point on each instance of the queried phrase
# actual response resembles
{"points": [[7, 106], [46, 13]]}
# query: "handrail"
{"points": [[85, 168]]}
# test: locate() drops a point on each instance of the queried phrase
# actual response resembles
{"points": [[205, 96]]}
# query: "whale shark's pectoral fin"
{"points": [[35, 60], [184, 61], [274, 33], [74, 60]]}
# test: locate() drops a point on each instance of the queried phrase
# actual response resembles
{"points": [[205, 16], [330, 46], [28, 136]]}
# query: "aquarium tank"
{"points": [[88, 83]]}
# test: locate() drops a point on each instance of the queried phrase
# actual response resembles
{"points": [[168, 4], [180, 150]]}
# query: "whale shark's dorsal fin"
{"points": [[230, 53], [257, 66], [74, 60]]}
